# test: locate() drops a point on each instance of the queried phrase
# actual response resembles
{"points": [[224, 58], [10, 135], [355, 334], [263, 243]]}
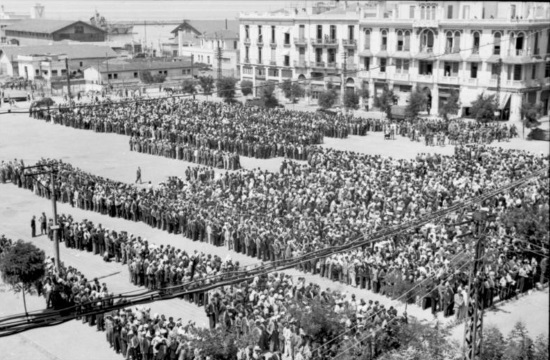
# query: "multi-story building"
{"points": [[499, 48]]}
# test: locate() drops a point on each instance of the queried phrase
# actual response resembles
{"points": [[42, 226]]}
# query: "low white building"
{"points": [[123, 73]]}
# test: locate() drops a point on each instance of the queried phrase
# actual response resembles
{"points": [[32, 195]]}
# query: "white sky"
{"points": [[146, 9]]}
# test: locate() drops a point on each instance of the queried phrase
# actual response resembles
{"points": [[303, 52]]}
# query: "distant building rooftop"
{"points": [[72, 51], [44, 26], [143, 65], [209, 26]]}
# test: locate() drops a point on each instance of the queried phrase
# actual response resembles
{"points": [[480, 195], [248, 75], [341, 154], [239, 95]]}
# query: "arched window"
{"points": [[475, 44], [456, 47], [427, 41], [449, 41], [384, 42], [496, 43], [400, 41], [407, 45], [367, 39], [520, 41]]}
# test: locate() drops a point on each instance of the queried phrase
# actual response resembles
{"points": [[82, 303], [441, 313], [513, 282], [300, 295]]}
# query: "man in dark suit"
{"points": [[33, 226]]}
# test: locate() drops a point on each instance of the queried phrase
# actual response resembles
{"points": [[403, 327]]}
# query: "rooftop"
{"points": [[143, 65], [46, 26], [72, 51], [210, 26]]}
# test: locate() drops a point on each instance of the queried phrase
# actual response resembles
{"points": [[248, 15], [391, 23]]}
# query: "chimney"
{"points": [[225, 24]]}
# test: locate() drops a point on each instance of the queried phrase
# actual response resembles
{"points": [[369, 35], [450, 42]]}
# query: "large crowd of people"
{"points": [[336, 197]]}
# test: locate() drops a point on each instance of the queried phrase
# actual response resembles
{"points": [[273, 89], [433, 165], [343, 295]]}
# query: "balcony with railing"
{"points": [[318, 64], [246, 61], [425, 78], [350, 67], [331, 65], [475, 50], [471, 81], [325, 42], [286, 44], [273, 43], [401, 76], [425, 23], [300, 41], [260, 41], [349, 43], [300, 64], [247, 41], [450, 79], [273, 62]]}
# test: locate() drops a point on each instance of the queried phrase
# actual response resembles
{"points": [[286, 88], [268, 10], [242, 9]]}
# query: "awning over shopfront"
{"points": [[519, 60], [425, 56], [473, 58], [401, 55], [382, 54], [503, 99], [451, 57], [365, 53], [493, 59]]}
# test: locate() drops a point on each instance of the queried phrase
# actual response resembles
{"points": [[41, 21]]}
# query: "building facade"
{"points": [[499, 48], [44, 32]]}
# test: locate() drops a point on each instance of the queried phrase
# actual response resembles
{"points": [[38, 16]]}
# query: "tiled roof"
{"points": [[145, 65], [72, 51], [210, 26], [44, 26]]}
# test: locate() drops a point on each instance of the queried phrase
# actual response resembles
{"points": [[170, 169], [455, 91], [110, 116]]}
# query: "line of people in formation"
{"points": [[176, 127], [454, 132], [336, 197], [256, 310]]}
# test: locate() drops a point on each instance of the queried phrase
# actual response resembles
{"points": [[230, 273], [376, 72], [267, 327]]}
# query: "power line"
{"points": [[279, 265]]}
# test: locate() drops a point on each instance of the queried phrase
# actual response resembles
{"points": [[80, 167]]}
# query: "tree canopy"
{"points": [[417, 103], [226, 88], [207, 83], [292, 90], [268, 95], [327, 99], [385, 101], [188, 86], [22, 265], [484, 107], [351, 100], [530, 114], [246, 87], [451, 106]]}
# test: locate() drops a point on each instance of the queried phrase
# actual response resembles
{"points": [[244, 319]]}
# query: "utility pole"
{"points": [[499, 67], [68, 78], [219, 56], [474, 322], [344, 69], [49, 169]]}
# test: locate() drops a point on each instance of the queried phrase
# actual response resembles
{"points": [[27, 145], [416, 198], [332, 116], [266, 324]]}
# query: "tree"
{"points": [[484, 107], [493, 344], [226, 88], [530, 114], [451, 106], [270, 101], [385, 101], [327, 99], [417, 103], [218, 343], [147, 78], [292, 90], [532, 225], [246, 87], [206, 83], [541, 348], [351, 100], [518, 344], [22, 266], [188, 86]]}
